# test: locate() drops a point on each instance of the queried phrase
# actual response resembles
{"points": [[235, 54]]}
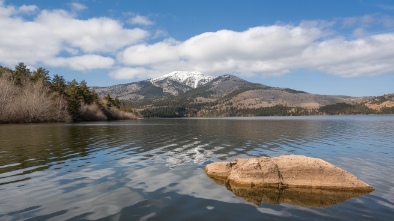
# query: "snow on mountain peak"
{"points": [[192, 79]]}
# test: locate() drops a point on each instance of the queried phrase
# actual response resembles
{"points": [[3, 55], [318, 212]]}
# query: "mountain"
{"points": [[180, 94], [192, 79], [171, 84]]}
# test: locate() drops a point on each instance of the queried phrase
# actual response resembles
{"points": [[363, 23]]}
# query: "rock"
{"points": [[285, 172], [298, 180]]}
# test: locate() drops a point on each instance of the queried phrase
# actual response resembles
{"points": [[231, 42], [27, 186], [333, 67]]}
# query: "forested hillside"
{"points": [[33, 96], [228, 96]]}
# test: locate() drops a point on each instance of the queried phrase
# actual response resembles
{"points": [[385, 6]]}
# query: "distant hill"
{"points": [[382, 102], [191, 94]]}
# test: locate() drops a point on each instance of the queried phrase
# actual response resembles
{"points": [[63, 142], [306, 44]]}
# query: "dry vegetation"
{"points": [[378, 103], [29, 97], [34, 102]]}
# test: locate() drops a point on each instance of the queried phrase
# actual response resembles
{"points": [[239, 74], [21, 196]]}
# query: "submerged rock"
{"points": [[298, 180]]}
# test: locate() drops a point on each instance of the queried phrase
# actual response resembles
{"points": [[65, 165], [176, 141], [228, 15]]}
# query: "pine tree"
{"points": [[58, 84], [116, 103], [20, 74], [43, 74], [109, 100]]}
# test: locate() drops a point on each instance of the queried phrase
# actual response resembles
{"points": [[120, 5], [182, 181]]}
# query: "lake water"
{"points": [[153, 169]]}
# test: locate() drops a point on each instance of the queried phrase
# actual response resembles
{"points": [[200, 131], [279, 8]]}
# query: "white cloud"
{"points": [[77, 6], [49, 36], [49, 33], [150, 54], [269, 51], [28, 9], [359, 32], [6, 10], [82, 63], [160, 33], [132, 73], [140, 20], [91, 35]]}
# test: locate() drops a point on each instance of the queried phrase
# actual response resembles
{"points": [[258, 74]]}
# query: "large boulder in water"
{"points": [[286, 178], [287, 170]]}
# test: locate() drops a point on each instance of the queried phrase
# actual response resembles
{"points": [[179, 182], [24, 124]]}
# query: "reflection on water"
{"points": [[305, 197], [153, 169]]}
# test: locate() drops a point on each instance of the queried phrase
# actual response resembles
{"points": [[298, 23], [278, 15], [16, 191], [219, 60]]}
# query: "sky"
{"points": [[331, 47]]}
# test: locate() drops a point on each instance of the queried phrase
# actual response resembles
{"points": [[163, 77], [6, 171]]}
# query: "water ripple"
{"points": [[108, 170]]}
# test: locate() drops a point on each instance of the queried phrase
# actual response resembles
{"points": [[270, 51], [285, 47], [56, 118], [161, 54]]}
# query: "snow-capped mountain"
{"points": [[183, 93], [192, 79]]}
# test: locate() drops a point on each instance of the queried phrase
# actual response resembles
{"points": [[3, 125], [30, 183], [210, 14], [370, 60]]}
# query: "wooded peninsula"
{"points": [[33, 96]]}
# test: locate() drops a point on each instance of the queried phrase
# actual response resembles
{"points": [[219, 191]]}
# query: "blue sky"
{"points": [[320, 46]]}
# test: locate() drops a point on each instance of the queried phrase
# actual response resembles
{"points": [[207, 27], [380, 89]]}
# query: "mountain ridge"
{"points": [[192, 79], [225, 95]]}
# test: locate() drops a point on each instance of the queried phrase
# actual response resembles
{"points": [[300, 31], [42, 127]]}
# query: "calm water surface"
{"points": [[154, 169]]}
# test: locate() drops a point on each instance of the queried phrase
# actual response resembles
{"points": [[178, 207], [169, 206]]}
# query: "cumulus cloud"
{"points": [[269, 51], [91, 35], [77, 6], [59, 39], [82, 63], [127, 73], [140, 20], [51, 33], [28, 9]]}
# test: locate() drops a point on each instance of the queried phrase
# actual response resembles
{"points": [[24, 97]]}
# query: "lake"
{"points": [[153, 169]]}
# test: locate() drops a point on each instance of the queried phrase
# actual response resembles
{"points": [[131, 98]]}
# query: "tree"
{"points": [[41, 74], [58, 84], [95, 95], [20, 74], [87, 96], [74, 99], [77, 95], [117, 103], [109, 100]]}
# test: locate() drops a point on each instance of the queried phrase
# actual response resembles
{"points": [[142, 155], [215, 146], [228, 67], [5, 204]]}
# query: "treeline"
{"points": [[164, 112], [277, 110], [215, 111], [348, 109], [33, 96], [209, 110]]}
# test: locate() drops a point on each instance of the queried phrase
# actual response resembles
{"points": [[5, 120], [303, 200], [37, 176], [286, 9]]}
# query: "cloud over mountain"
{"points": [[269, 50], [59, 38]]}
